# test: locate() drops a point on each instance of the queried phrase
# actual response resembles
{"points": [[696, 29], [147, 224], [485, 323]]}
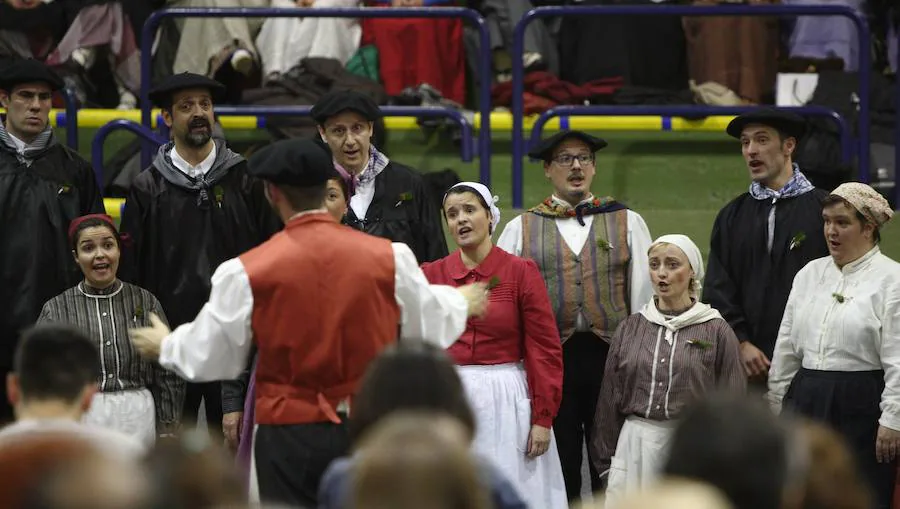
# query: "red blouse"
{"points": [[518, 324]]}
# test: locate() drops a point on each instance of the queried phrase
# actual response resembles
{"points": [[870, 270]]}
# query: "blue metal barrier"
{"points": [[686, 111], [103, 132], [518, 50], [71, 112], [484, 93]]}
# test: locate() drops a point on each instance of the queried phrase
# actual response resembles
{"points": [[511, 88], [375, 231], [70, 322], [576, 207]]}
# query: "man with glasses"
{"points": [[592, 252]]}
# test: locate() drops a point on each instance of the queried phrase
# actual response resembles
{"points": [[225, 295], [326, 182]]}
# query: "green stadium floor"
{"points": [[676, 180]]}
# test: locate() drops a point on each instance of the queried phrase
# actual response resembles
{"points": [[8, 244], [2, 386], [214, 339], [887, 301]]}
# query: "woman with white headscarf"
{"points": [[671, 353], [837, 356], [510, 359]]}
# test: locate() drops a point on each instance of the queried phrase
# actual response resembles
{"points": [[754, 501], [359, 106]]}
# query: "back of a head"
{"points": [[735, 444], [670, 494], [411, 375], [415, 461], [833, 480], [55, 362]]}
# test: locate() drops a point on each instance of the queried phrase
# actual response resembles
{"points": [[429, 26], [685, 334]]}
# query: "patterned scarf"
{"points": [[797, 186], [33, 150], [555, 208], [377, 163]]}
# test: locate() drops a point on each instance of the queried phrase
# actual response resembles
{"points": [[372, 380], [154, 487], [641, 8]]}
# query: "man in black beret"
{"points": [[603, 249], [763, 237], [44, 185], [389, 199], [191, 210], [317, 316]]}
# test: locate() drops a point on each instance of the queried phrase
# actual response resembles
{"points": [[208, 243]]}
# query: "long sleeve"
{"points": [[729, 369], [639, 241], [719, 289], [608, 421], [786, 361], [430, 240], [168, 390], [132, 229], [511, 238], [433, 313], [234, 392], [215, 346], [890, 359], [543, 348]]}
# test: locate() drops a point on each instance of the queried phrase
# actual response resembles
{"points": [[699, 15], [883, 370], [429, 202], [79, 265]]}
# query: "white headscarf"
{"points": [[690, 250], [486, 196]]}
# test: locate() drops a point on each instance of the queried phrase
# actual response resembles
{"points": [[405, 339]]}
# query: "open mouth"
{"points": [[662, 286], [576, 180], [101, 266], [464, 230], [199, 125], [351, 153], [833, 244], [756, 164]]}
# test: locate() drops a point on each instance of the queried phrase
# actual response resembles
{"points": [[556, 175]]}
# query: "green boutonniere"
{"points": [[219, 194], [493, 283], [63, 190], [797, 241], [699, 343], [838, 297], [604, 245], [138, 314], [407, 196]]}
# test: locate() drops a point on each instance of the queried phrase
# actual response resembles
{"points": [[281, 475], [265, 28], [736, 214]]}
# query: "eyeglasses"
{"points": [[568, 159]]}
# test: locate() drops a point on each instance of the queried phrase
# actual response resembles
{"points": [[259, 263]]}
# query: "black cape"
{"points": [[402, 211], [37, 203], [177, 243], [746, 283]]}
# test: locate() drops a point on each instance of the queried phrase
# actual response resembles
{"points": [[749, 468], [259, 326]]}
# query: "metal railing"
{"points": [[145, 133], [484, 134], [518, 82]]}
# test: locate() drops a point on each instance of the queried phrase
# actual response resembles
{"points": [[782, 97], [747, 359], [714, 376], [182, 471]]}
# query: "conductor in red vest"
{"points": [[320, 301]]}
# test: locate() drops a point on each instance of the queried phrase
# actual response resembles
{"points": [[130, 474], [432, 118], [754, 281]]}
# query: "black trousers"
{"points": [[291, 459], [211, 394], [584, 358], [849, 402]]}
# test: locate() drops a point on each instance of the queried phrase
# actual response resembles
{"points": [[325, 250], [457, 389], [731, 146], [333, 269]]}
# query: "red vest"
{"points": [[324, 307]]}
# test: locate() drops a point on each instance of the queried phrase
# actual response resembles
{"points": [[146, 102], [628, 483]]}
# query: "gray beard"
{"points": [[197, 140]]}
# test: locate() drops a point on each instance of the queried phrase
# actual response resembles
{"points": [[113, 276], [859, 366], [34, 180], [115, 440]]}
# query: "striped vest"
{"points": [[594, 282]]}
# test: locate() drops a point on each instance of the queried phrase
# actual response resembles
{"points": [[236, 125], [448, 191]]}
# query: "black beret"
{"points": [[785, 121], [28, 70], [161, 94], [544, 150], [337, 101], [293, 162]]}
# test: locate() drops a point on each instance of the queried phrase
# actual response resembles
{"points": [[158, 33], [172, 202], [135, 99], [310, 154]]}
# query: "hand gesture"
{"points": [[476, 295], [148, 340], [538, 441]]}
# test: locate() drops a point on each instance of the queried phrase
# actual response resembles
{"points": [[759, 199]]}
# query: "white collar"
{"points": [[20, 145], [559, 201], [185, 167]]}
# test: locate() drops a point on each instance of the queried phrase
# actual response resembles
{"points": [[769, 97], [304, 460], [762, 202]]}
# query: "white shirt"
{"points": [[362, 198], [108, 440], [20, 145], [575, 235], [861, 333], [215, 346], [198, 171]]}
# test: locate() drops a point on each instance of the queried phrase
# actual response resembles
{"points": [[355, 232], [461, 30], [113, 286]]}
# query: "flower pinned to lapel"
{"points": [[407, 196], [219, 195], [699, 343], [605, 245], [797, 241], [493, 283], [838, 297], [138, 314]]}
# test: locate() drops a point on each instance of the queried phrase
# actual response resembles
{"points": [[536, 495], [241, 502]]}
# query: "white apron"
{"points": [[130, 412], [640, 453], [498, 395]]}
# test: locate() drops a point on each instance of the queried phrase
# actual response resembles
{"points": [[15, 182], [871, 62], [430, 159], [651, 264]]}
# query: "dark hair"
{"points": [[55, 362], [93, 223], [411, 375], [833, 199], [735, 444], [304, 198], [342, 183]]}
